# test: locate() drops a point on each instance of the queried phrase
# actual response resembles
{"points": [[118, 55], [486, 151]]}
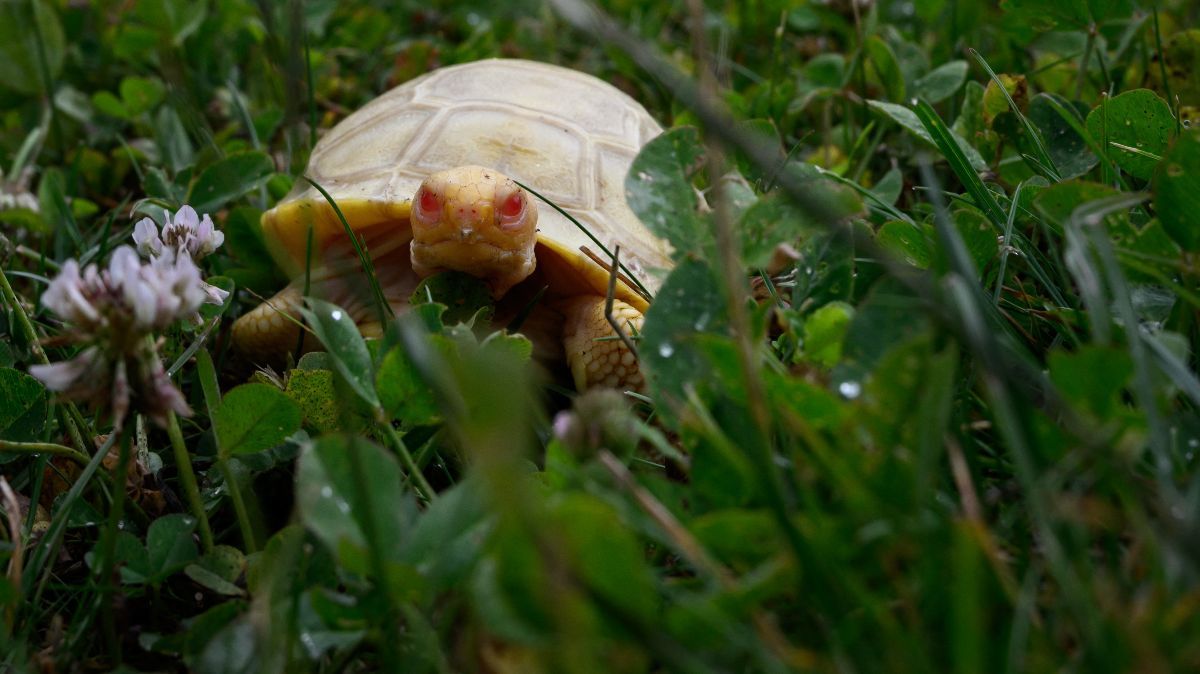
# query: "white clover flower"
{"points": [[68, 295], [145, 235], [186, 233], [186, 236], [114, 311]]}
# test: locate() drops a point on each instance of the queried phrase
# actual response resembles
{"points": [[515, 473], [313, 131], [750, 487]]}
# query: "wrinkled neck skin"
{"points": [[477, 221]]}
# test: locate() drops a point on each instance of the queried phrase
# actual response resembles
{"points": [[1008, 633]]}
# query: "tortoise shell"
{"points": [[569, 136]]}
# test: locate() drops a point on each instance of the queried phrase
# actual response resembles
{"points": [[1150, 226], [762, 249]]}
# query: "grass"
{"points": [[950, 425]]}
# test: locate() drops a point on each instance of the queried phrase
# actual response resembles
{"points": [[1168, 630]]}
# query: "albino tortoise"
{"points": [[425, 174]]}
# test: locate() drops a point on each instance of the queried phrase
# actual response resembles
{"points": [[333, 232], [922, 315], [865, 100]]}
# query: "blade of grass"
{"points": [[49, 547], [1039, 145], [382, 308], [1088, 220], [207, 375], [629, 274], [943, 138]]}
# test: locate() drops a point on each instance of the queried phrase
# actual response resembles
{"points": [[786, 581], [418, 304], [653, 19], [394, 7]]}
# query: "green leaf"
{"points": [[464, 295], [886, 68], [907, 241], [345, 345], [889, 315], [1177, 191], [739, 537], [403, 392], [978, 236], [219, 570], [229, 178], [909, 120], [109, 104], [314, 392], [659, 190], [448, 538], [1057, 202], [824, 331], [1138, 119], [1066, 147], [607, 558], [22, 406], [174, 19], [254, 417], [688, 303], [52, 197], [141, 94], [817, 407], [23, 43], [173, 142], [772, 220], [1092, 378], [133, 558], [233, 646], [349, 509], [212, 582], [169, 545], [940, 83], [1077, 14]]}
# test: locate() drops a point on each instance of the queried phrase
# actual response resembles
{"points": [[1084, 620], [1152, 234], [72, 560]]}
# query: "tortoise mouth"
{"points": [[500, 267]]}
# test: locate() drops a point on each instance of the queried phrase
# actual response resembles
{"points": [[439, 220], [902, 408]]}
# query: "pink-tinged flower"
{"points": [[71, 296], [186, 236], [145, 235], [187, 233], [113, 312]]}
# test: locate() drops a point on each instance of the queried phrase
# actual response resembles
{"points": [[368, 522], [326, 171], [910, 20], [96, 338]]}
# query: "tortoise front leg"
{"points": [[271, 330], [598, 356]]}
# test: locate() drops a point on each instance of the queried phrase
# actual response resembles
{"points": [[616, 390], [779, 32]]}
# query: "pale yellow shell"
{"points": [[565, 134]]}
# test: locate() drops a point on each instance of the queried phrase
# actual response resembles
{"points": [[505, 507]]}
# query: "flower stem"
{"points": [[212, 400], [10, 447], [187, 478], [31, 336], [239, 505], [108, 546], [424, 490]]}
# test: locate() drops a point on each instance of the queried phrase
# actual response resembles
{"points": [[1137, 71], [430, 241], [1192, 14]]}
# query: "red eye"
{"points": [[512, 206], [429, 202]]}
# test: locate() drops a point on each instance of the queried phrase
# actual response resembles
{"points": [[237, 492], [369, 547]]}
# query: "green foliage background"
{"points": [[923, 381]]}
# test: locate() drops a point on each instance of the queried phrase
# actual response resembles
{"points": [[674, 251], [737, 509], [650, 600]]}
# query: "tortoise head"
{"points": [[474, 220]]}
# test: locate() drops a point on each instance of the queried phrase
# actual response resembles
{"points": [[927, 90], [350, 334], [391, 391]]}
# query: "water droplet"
{"points": [[666, 350], [850, 389], [336, 315], [326, 492]]}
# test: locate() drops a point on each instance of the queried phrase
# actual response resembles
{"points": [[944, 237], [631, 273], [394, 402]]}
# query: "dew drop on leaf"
{"points": [[850, 389], [666, 350]]}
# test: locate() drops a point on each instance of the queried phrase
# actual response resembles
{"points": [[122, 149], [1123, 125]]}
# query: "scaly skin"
{"points": [[596, 355]]}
